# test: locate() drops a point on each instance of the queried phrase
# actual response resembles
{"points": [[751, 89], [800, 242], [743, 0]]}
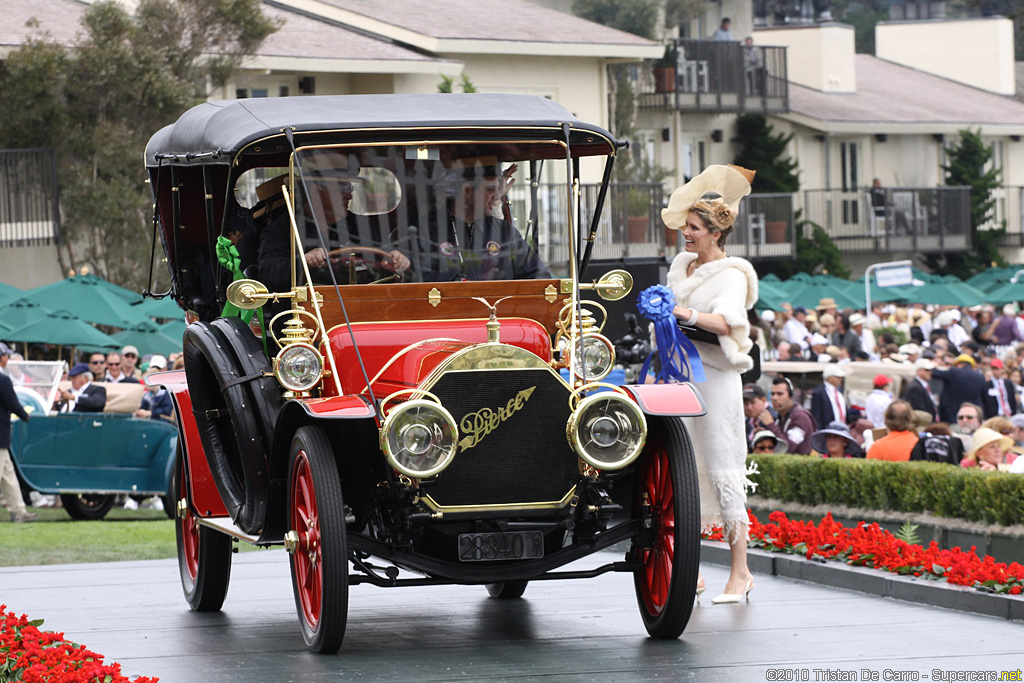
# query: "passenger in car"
{"points": [[331, 182], [473, 244], [84, 396]]}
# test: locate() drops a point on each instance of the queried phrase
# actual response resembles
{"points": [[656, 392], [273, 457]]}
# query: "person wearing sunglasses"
{"points": [[129, 359], [765, 442]]}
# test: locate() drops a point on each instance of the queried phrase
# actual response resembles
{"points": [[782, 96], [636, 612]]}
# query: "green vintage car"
{"points": [[88, 458]]}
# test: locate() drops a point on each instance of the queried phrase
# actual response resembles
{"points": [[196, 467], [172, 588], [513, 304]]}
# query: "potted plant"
{"points": [[664, 70]]}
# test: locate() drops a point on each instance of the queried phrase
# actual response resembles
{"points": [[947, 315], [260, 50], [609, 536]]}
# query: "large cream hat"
{"points": [[984, 437], [732, 182]]}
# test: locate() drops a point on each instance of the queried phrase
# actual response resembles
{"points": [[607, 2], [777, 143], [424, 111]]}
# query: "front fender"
{"points": [[668, 400]]}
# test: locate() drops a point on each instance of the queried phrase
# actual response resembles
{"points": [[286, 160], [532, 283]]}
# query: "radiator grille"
{"points": [[525, 458]]}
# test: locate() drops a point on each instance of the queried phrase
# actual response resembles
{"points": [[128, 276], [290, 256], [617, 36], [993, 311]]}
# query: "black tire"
{"points": [[230, 431], [316, 511], [204, 555], [87, 505], [507, 590], [666, 582]]}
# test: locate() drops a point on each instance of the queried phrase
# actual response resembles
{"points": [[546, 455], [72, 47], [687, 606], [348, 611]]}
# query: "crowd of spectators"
{"points": [[961, 400]]}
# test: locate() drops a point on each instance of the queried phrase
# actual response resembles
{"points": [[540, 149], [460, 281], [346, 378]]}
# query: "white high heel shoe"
{"points": [[727, 598], [700, 588]]}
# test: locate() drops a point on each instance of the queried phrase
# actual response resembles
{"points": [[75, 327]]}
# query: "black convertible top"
{"points": [[216, 131]]}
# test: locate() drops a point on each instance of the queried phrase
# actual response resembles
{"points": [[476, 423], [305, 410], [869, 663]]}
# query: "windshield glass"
{"points": [[430, 213], [35, 382]]}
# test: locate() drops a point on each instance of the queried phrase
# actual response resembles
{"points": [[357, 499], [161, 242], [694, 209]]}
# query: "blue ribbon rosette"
{"points": [[679, 358]]}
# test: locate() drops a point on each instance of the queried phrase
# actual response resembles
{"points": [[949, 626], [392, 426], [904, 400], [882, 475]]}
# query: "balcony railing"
{"points": [[910, 219], [1009, 209], [631, 226], [29, 214], [717, 76]]}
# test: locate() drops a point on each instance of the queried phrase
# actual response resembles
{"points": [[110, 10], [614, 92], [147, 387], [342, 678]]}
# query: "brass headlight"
{"points": [[419, 438], [594, 358], [298, 367], [607, 430]]}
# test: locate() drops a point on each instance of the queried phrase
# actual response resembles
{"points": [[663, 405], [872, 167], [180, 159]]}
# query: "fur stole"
{"points": [[727, 287]]}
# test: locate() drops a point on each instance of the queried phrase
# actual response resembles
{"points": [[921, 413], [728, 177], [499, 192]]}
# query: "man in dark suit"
{"points": [[828, 404], [9, 403], [918, 392], [84, 396], [1000, 397], [960, 384]]}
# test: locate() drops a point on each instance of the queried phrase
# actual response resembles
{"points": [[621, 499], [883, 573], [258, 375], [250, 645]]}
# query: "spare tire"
{"points": [[228, 426]]}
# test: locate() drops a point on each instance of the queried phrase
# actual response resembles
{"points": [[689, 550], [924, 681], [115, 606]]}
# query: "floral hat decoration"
{"points": [[731, 182]]}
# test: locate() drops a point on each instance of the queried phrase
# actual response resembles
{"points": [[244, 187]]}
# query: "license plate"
{"points": [[506, 545]]}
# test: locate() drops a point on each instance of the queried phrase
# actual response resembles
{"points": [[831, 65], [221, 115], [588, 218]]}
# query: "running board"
{"points": [[226, 526]]}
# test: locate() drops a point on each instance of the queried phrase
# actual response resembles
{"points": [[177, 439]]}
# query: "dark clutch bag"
{"points": [[697, 334]]}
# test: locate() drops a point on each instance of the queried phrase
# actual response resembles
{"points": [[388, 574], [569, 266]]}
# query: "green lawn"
{"points": [[57, 539]]}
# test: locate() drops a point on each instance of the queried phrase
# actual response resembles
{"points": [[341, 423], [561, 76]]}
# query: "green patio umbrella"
{"points": [[20, 312], [90, 298], [1005, 292], [63, 329], [148, 338], [770, 297], [174, 330], [949, 293], [9, 293], [163, 309]]}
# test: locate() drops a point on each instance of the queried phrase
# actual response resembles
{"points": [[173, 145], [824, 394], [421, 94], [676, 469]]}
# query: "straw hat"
{"points": [[826, 319], [731, 182], [983, 437], [826, 304]]}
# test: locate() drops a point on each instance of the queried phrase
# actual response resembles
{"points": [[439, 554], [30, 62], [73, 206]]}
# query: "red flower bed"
{"points": [[32, 656], [868, 545]]}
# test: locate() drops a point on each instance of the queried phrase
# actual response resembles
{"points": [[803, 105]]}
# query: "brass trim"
{"points": [[550, 294], [434, 297], [499, 507], [566, 285], [489, 358]]}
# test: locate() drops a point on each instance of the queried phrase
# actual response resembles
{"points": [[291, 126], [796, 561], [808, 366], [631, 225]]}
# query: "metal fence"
{"points": [[631, 228], [717, 76], [911, 219], [1009, 209], [29, 212]]}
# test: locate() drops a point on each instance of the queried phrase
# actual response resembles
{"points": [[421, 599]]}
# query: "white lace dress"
{"points": [[727, 287]]}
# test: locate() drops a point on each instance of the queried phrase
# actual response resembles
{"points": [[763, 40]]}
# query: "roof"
{"points": [[59, 18], [483, 26], [891, 97], [305, 37], [226, 126]]}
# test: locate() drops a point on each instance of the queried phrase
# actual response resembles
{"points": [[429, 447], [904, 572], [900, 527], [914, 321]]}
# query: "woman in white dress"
{"points": [[713, 292]]}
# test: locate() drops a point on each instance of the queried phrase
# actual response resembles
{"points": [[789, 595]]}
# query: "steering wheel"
{"points": [[382, 269]]}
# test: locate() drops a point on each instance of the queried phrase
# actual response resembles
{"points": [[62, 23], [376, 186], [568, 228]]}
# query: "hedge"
{"points": [[935, 488]]}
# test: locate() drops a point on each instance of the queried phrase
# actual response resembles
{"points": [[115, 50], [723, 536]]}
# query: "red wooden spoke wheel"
{"points": [[667, 493], [204, 555], [319, 562]]}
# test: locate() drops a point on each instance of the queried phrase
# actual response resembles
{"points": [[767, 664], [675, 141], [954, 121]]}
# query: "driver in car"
{"points": [[474, 244], [331, 180]]}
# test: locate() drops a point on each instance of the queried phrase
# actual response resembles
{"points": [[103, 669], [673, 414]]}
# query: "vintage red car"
{"points": [[373, 377]]}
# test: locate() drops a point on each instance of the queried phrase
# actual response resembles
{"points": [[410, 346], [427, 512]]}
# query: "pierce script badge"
{"points": [[484, 421]]}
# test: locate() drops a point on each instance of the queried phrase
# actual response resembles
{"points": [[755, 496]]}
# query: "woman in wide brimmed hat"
{"points": [[714, 292], [836, 441], [988, 450]]}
